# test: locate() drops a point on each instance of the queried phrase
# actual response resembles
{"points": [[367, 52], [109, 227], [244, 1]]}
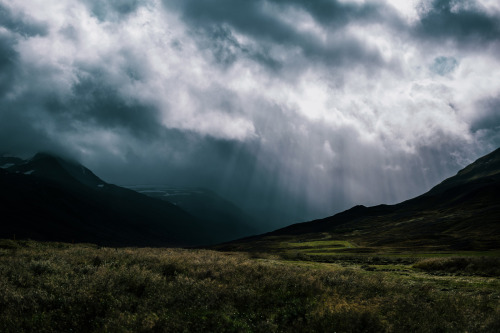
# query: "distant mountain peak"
{"points": [[42, 155], [10, 161], [53, 157], [54, 167], [51, 198]]}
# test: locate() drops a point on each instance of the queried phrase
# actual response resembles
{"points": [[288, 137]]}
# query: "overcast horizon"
{"points": [[292, 109]]}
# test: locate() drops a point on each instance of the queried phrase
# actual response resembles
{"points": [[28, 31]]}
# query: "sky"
{"points": [[292, 109]]}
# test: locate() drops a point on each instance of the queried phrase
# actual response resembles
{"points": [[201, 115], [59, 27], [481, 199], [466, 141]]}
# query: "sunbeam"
{"points": [[292, 109]]}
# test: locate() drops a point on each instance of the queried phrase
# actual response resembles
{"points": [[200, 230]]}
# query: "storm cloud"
{"points": [[462, 22], [292, 109]]}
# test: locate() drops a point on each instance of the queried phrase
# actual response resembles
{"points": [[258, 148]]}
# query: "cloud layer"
{"points": [[294, 109]]}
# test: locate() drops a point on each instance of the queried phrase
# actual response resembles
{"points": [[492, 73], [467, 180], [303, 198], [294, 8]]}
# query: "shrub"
{"points": [[80, 288], [485, 266]]}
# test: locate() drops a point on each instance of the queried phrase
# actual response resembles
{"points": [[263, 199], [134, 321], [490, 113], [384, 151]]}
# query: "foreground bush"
{"points": [[57, 287]]}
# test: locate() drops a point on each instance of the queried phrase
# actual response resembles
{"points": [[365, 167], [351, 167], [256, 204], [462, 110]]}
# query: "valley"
{"points": [[274, 166], [428, 264], [83, 287]]}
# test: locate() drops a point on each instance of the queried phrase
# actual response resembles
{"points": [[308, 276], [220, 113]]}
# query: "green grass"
{"points": [[317, 247], [326, 244], [444, 254], [47, 287], [488, 266]]}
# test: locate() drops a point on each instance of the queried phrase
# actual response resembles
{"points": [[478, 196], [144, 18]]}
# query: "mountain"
{"points": [[461, 213], [206, 205], [51, 198], [58, 170], [8, 161]]}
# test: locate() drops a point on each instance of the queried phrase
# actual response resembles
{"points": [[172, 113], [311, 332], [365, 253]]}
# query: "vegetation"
{"points": [[485, 266], [46, 287]]}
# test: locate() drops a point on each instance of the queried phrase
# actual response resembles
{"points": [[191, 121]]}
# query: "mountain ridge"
{"points": [[204, 204], [460, 213], [50, 198]]}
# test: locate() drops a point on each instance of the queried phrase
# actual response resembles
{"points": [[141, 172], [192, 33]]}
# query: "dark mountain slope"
{"points": [[48, 198], [485, 170], [58, 170], [8, 161], [206, 205], [463, 212]]}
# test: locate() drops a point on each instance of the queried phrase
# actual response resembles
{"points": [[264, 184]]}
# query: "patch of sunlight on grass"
{"points": [[465, 283], [311, 264], [322, 253], [391, 267], [324, 250], [336, 244], [446, 254]]}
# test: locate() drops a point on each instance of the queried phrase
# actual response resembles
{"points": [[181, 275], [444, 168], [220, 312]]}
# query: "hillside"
{"points": [[207, 205], [461, 213], [50, 198]]}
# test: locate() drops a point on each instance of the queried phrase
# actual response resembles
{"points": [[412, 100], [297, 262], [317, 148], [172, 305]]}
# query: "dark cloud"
{"points": [[18, 26], [225, 48], [463, 22], [8, 63], [256, 20], [293, 109], [98, 103], [21, 24], [336, 14], [112, 10], [246, 16], [487, 118], [23, 133]]}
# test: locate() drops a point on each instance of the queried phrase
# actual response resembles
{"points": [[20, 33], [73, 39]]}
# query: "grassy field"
{"points": [[47, 287]]}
